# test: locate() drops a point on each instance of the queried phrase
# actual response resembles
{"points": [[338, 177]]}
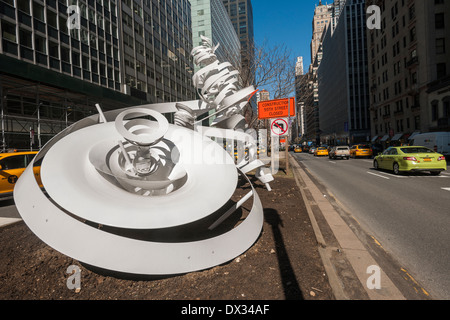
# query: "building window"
{"points": [[417, 123], [440, 45], [25, 38], [53, 49], [412, 34], [441, 69], [434, 110], [40, 44], [446, 109], [38, 11], [8, 31], [24, 5], [439, 21]]}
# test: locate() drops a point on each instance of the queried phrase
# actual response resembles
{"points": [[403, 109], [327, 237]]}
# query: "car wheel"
{"points": [[396, 169], [375, 165], [435, 173]]}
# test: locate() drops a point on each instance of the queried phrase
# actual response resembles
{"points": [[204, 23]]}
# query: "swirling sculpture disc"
{"points": [[115, 182]]}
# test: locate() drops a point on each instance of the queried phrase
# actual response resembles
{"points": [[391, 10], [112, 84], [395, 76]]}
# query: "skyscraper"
{"points": [[321, 20], [210, 19], [241, 15], [299, 66], [343, 79]]}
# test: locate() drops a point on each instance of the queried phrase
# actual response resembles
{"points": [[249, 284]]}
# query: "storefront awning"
{"points": [[385, 138], [397, 137]]}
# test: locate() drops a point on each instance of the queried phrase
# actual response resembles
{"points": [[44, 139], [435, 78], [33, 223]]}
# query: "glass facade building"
{"points": [[241, 15], [116, 53], [210, 19]]}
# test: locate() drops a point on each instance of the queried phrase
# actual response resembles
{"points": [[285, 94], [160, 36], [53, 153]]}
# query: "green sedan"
{"points": [[410, 159]]}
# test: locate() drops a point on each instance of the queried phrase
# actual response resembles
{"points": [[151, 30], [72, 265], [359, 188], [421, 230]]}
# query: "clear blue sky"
{"points": [[286, 22]]}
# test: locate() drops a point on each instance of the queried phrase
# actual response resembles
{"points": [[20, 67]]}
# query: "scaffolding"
{"points": [[33, 112]]}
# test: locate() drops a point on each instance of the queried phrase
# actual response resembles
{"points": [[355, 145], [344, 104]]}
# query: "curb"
{"points": [[347, 252], [8, 221]]}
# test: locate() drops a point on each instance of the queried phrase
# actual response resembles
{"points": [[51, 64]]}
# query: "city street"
{"points": [[407, 214]]}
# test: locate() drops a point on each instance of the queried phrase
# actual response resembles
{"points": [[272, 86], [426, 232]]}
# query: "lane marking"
{"points": [[414, 281], [393, 175], [446, 189], [374, 174]]}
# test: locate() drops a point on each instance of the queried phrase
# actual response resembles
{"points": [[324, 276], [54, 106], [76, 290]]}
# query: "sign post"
{"points": [[278, 128], [277, 111]]}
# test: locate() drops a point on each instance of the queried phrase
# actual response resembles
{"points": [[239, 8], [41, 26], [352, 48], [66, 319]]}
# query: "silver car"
{"points": [[339, 152]]}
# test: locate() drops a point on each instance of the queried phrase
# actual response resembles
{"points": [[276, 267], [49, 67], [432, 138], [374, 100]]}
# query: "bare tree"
{"points": [[270, 67]]}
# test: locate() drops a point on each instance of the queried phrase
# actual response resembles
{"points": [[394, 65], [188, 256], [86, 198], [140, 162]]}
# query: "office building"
{"points": [[322, 18], [210, 19], [343, 79], [115, 53], [299, 97], [337, 7], [409, 70], [241, 15]]}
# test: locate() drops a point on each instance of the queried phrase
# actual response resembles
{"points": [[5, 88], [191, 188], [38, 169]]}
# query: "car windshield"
{"points": [[342, 148], [417, 150], [322, 148], [365, 146]]}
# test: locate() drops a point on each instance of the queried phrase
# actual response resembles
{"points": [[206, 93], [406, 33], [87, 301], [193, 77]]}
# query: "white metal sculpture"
{"points": [[120, 187]]}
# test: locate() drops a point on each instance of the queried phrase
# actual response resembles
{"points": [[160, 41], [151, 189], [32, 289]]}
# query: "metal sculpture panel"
{"points": [[121, 186]]}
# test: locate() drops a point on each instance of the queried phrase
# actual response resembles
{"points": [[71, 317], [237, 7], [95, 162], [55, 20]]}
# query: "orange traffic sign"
{"points": [[276, 108]]}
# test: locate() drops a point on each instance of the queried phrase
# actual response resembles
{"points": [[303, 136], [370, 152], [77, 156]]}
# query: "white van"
{"points": [[437, 141]]}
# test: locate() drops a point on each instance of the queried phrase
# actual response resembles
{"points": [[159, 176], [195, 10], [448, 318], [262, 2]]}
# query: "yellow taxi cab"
{"points": [[12, 165], [361, 150], [321, 151], [298, 149]]}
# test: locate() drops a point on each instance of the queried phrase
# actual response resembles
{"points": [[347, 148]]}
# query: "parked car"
{"points": [[360, 150], [339, 152], [437, 141], [321, 151], [12, 165], [410, 159], [312, 150]]}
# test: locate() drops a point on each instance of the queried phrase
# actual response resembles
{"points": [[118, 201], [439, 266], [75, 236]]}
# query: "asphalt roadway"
{"points": [[406, 214]]}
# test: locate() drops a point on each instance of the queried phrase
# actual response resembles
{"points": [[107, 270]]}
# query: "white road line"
{"points": [[446, 189], [332, 162], [393, 175], [374, 174]]}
